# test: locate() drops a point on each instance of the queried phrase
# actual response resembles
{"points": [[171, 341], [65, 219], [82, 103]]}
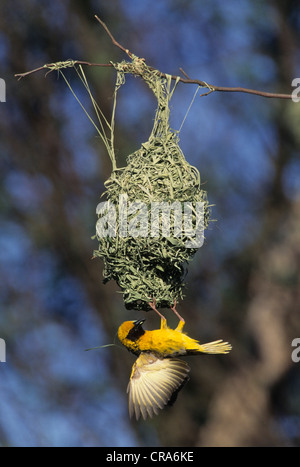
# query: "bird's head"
{"points": [[129, 332]]}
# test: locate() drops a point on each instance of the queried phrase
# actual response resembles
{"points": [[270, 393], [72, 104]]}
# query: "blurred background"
{"points": [[243, 284]]}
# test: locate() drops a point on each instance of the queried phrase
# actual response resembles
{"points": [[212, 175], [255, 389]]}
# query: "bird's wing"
{"points": [[153, 382]]}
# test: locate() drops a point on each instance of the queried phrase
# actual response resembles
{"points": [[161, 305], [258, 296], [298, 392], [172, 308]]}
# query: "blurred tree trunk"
{"points": [[241, 412]]}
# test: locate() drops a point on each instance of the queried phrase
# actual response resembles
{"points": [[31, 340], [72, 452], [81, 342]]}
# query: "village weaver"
{"points": [[157, 376]]}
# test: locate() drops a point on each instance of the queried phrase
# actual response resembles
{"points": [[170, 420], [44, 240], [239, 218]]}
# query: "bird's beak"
{"points": [[139, 322]]}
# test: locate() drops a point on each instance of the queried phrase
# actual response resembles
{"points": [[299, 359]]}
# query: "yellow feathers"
{"points": [[157, 376], [165, 342]]}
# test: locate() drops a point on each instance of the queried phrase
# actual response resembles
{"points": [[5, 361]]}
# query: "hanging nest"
{"points": [[150, 264]]}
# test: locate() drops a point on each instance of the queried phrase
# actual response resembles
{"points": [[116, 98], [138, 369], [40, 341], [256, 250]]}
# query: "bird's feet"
{"points": [[181, 320]]}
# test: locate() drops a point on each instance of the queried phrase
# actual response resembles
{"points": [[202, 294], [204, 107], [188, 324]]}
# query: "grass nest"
{"points": [[144, 252]]}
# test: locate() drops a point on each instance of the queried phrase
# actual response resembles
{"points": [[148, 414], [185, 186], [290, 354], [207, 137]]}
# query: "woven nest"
{"points": [[151, 265]]}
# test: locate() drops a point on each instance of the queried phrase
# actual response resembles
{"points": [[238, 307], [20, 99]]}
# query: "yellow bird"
{"points": [[157, 376]]}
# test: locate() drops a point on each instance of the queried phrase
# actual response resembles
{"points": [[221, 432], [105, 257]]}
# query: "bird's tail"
{"points": [[216, 347]]}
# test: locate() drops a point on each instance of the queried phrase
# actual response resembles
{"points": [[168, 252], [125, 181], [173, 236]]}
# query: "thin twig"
{"points": [[51, 67], [114, 41], [184, 73], [212, 88], [186, 80]]}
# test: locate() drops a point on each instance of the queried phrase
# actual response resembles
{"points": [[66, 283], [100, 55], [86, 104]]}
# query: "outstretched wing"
{"points": [[154, 382]]}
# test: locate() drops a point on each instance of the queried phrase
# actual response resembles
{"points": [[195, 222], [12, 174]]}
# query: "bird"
{"points": [[165, 342], [158, 375]]}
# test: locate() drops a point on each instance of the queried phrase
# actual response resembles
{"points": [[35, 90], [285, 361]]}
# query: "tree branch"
{"points": [[55, 66], [187, 80], [130, 55]]}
